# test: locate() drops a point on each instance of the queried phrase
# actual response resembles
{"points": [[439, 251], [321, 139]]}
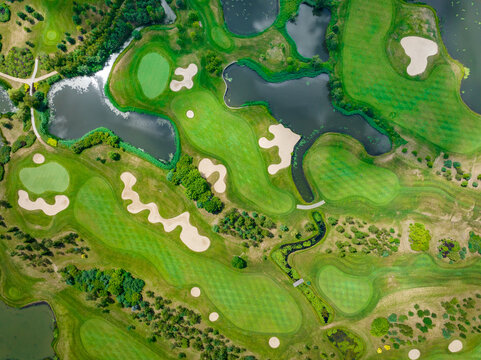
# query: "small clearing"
{"points": [[61, 203], [419, 50], [187, 73], [207, 168], [285, 139]]}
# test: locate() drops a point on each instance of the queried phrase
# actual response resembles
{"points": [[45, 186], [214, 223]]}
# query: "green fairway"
{"points": [[251, 302], [230, 138], [153, 74], [104, 341], [348, 293], [337, 174], [48, 177], [431, 108]]}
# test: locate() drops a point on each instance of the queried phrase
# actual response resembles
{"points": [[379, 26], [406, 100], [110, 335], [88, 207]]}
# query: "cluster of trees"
{"points": [[95, 138], [108, 36], [24, 141], [115, 284], [419, 237], [254, 228], [4, 159], [379, 327], [346, 342], [474, 243], [190, 31], [461, 317], [19, 62], [451, 250], [196, 187], [81, 10], [213, 62], [238, 262], [4, 13]]}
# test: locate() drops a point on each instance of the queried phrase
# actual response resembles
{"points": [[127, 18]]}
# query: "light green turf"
{"points": [[432, 108], [338, 174], [104, 341], [348, 293], [153, 74], [251, 302], [231, 139], [48, 177]]}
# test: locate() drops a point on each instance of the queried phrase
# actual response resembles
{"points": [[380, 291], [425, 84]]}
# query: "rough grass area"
{"points": [[49, 177], [153, 74], [338, 174], [431, 108], [349, 293]]}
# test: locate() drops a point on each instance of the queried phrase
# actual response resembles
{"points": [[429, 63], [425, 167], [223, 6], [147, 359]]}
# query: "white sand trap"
{"points": [[190, 114], [274, 342], [285, 140], [189, 234], [213, 316], [414, 354], [188, 73], [61, 203], [195, 291], [207, 168], [455, 346], [38, 159], [418, 49]]}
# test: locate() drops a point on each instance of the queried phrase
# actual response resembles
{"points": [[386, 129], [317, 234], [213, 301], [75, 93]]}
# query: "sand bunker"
{"points": [[189, 234], [195, 292], [61, 203], [455, 346], [414, 354], [418, 49], [274, 342], [188, 73], [213, 316], [285, 140], [207, 168], [190, 114], [38, 159]]}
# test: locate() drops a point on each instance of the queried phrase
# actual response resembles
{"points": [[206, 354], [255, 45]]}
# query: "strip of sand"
{"points": [[187, 73], [207, 168], [61, 203], [419, 50], [189, 234], [285, 140]]}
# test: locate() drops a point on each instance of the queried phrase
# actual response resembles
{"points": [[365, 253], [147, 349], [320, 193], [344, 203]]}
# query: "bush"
{"points": [[24, 141], [379, 327], [114, 155], [238, 262], [5, 154], [419, 237], [4, 13], [95, 138]]}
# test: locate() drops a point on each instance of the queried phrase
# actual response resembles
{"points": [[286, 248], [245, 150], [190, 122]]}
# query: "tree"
{"points": [[114, 155], [419, 237], [379, 326], [238, 262]]}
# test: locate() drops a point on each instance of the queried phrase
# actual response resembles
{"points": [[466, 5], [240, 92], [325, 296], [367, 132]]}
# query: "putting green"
{"points": [[350, 294], [252, 302], [48, 177], [104, 341], [338, 174], [153, 74]]}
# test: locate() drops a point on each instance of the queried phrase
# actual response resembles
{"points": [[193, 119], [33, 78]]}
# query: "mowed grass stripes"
{"points": [[432, 109]]}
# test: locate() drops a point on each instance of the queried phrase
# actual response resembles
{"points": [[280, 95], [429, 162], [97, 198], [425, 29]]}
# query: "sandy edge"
{"points": [[187, 73], [285, 140], [207, 168], [419, 50], [189, 233], [38, 159], [61, 203]]}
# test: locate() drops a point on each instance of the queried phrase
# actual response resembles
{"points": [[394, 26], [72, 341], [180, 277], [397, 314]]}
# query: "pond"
{"points": [[6, 104], [308, 30], [26, 333], [304, 106], [79, 105], [460, 23], [249, 17]]}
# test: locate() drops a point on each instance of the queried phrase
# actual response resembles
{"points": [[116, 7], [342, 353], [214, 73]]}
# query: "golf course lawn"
{"points": [[230, 138], [348, 293], [431, 109], [338, 174], [153, 74], [48, 177]]}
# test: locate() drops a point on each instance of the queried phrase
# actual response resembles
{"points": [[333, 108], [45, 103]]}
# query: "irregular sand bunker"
{"points": [[189, 234], [213, 317], [455, 346], [285, 139], [38, 159], [414, 354], [274, 342], [418, 49], [195, 291], [207, 168], [188, 73], [61, 203]]}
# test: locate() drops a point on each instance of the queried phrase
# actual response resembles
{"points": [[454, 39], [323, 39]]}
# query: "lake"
{"points": [[304, 106], [308, 30], [249, 17], [6, 104], [26, 334]]}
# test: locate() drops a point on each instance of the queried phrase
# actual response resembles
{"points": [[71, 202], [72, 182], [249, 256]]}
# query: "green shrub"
{"points": [[238, 262], [24, 141], [95, 138], [4, 13], [474, 243], [5, 154], [419, 237], [379, 327], [114, 155]]}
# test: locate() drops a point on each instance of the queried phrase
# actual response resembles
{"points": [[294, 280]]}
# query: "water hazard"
{"points": [[6, 104], [249, 17], [304, 106]]}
